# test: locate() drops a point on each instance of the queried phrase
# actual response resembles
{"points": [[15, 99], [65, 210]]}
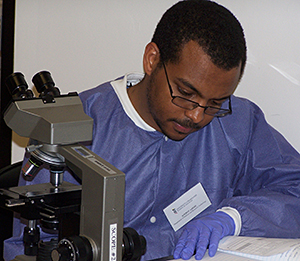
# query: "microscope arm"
{"points": [[102, 200]]}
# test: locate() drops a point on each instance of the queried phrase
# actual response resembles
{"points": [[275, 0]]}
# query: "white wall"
{"points": [[84, 43], [272, 77]]}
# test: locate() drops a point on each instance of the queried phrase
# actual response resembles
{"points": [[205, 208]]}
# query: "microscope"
{"points": [[86, 220]]}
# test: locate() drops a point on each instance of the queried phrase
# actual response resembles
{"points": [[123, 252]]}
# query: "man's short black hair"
{"points": [[211, 25]]}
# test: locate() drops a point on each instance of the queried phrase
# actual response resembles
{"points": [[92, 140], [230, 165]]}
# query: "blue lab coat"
{"points": [[240, 160]]}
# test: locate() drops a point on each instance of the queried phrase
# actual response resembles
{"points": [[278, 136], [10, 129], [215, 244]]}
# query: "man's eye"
{"points": [[216, 104], [183, 92]]}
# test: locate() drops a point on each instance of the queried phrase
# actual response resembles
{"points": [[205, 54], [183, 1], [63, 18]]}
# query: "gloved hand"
{"points": [[200, 233]]}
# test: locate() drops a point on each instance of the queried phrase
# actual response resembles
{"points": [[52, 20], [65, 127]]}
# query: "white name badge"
{"points": [[186, 207]]}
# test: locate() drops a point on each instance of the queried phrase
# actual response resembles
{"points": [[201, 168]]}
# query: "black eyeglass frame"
{"points": [[220, 113]]}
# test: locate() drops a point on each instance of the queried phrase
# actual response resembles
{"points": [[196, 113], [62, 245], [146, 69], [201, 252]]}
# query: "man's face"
{"points": [[195, 78]]}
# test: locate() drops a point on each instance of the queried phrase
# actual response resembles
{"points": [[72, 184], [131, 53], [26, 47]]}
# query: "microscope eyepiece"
{"points": [[42, 81], [17, 86], [44, 84]]}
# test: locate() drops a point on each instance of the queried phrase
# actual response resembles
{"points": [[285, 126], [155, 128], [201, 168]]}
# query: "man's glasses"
{"points": [[221, 111]]}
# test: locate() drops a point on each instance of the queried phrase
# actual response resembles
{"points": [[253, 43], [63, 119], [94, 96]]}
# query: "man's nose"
{"points": [[196, 115]]}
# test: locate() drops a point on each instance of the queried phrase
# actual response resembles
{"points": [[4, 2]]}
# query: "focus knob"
{"points": [[75, 248]]}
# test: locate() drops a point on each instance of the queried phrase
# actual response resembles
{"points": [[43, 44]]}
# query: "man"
{"points": [[178, 125]]}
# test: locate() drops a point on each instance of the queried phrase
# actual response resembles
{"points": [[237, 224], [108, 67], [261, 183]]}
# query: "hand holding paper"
{"points": [[203, 232]]}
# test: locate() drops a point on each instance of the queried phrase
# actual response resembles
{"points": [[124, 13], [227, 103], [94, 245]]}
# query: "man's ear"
{"points": [[151, 58]]}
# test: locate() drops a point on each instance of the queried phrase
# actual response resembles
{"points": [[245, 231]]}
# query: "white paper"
{"points": [[238, 248], [219, 257], [259, 248]]}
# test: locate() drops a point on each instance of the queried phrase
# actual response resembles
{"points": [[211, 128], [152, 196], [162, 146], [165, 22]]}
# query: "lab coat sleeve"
{"points": [[267, 190]]}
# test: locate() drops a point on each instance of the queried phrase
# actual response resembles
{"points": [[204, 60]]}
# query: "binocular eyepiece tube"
{"points": [[43, 82]]}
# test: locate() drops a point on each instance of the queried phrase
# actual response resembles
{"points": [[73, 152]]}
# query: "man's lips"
{"points": [[182, 129]]}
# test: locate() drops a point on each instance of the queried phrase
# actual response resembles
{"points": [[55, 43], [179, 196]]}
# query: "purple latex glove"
{"points": [[203, 232]]}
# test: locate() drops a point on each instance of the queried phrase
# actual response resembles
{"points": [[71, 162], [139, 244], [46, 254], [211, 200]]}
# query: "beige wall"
{"points": [[84, 43]]}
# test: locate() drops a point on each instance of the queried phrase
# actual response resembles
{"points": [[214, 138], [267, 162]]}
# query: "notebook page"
{"points": [[262, 248], [219, 257]]}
